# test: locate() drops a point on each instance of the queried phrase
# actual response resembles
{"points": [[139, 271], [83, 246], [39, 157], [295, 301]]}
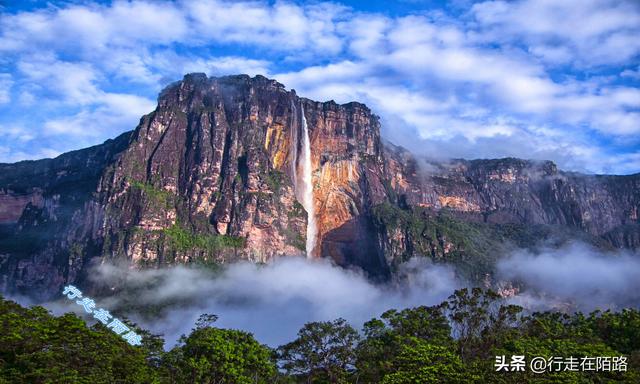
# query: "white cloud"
{"points": [[11, 155], [78, 85], [137, 67], [275, 300], [631, 73], [26, 98], [431, 75], [6, 82], [90, 29], [283, 26], [214, 66], [17, 132], [366, 34], [146, 21], [73, 83], [439, 81], [577, 274], [102, 121], [626, 163], [584, 32]]}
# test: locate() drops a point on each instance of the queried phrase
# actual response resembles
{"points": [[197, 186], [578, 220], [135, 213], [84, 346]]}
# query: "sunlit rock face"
{"points": [[212, 159], [220, 153], [348, 168], [214, 174]]}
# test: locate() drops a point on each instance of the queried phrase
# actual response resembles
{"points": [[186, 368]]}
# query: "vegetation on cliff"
{"points": [[184, 240], [454, 342], [158, 196], [473, 247]]}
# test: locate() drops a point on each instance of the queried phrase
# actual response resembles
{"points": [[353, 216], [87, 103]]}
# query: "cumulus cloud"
{"points": [[631, 73], [16, 132], [283, 26], [115, 110], [435, 80], [502, 73], [175, 66], [94, 29], [586, 32], [92, 114], [13, 155]]}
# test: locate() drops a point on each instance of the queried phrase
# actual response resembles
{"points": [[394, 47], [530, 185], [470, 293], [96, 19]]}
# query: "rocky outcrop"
{"points": [[473, 212], [348, 181], [12, 204], [208, 166], [212, 175], [519, 191], [216, 159], [46, 230]]}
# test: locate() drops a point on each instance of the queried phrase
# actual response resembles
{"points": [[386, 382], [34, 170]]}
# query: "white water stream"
{"points": [[307, 188], [304, 184]]}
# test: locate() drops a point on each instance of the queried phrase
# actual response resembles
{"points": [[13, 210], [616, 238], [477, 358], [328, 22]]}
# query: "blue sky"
{"points": [[540, 79]]}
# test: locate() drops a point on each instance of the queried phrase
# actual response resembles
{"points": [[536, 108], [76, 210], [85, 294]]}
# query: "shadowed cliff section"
{"points": [[44, 207], [208, 177]]}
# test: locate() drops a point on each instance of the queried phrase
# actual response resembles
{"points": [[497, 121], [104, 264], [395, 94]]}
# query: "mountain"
{"points": [[226, 169]]}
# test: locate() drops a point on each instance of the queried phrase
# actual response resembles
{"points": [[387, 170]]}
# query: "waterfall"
{"points": [[294, 147], [307, 192], [304, 184]]}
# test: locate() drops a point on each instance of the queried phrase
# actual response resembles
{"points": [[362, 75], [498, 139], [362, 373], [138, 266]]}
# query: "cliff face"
{"points": [[216, 159], [518, 191], [216, 174], [473, 212], [45, 220]]}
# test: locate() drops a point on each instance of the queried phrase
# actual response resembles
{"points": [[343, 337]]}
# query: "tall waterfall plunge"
{"points": [[307, 193], [304, 185]]}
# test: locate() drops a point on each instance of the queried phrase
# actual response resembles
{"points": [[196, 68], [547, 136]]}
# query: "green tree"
{"points": [[620, 330], [386, 337], [36, 347], [213, 355], [560, 335], [480, 320], [419, 361], [323, 352], [415, 345]]}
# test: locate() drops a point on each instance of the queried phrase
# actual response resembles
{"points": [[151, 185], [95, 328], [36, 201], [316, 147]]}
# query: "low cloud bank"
{"points": [[574, 277], [274, 301]]}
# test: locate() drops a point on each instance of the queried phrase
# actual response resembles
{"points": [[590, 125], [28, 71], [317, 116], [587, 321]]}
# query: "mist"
{"points": [[574, 277], [273, 301]]}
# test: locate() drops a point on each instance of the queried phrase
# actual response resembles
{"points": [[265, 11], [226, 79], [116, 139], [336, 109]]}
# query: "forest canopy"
{"points": [[454, 342]]}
